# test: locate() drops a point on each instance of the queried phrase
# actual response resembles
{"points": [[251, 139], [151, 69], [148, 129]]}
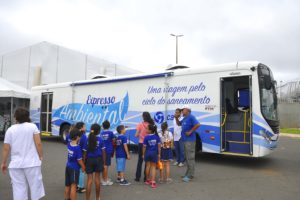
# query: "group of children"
{"points": [[92, 155]]}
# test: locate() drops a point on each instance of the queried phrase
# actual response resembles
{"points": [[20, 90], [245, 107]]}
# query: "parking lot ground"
{"points": [[276, 176]]}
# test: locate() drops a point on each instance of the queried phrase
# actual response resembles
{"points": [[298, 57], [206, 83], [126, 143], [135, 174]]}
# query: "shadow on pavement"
{"points": [[238, 161]]}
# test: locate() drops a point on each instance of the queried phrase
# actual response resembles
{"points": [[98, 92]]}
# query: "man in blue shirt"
{"points": [[189, 125]]}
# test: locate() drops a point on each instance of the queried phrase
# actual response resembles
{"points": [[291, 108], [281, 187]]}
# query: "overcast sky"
{"points": [[136, 33]]}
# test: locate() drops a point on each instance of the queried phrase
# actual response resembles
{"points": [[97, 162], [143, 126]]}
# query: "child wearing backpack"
{"points": [[166, 139]]}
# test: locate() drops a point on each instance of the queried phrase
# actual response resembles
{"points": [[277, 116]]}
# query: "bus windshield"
{"points": [[268, 93]]}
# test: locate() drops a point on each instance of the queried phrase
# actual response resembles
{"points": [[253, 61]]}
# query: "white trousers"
{"points": [[21, 178]]}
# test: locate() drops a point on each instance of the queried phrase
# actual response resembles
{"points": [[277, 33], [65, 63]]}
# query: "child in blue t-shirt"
{"points": [[81, 127], [107, 137], [151, 154], [94, 155], [122, 154], [73, 166]]}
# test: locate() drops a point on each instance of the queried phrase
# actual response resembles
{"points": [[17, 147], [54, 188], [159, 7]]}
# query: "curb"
{"points": [[290, 135]]}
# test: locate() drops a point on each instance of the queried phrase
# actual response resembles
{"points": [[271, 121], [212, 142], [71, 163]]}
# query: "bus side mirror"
{"points": [[268, 82]]}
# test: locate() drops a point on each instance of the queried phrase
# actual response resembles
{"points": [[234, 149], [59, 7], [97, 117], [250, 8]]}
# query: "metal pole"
{"points": [[176, 49], [176, 36]]}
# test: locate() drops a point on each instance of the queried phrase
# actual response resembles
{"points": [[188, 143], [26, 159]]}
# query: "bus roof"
{"points": [[246, 65]]}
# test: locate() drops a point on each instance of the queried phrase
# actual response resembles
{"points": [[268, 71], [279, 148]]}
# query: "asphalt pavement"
{"points": [[276, 176]]}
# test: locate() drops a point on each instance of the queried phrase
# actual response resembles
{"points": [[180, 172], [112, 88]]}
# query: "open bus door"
{"points": [[46, 113], [236, 115]]}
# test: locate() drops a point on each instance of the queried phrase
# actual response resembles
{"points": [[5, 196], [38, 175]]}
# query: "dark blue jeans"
{"points": [[140, 164], [179, 151]]}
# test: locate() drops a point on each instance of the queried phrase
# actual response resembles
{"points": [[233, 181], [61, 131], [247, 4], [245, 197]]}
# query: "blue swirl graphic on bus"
{"points": [[89, 114], [159, 117]]}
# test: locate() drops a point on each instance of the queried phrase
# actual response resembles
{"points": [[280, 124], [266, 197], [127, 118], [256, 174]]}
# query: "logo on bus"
{"points": [[93, 113], [159, 117]]}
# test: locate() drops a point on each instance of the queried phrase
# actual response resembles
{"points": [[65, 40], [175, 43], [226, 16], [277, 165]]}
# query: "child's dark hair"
{"points": [[74, 133], [92, 140], [22, 115], [164, 127], [106, 124], [79, 125], [147, 118], [178, 109], [153, 128], [120, 128]]}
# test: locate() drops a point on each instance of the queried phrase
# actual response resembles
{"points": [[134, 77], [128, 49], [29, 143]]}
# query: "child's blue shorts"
{"points": [[108, 159], [121, 163], [166, 154], [71, 176], [151, 156]]}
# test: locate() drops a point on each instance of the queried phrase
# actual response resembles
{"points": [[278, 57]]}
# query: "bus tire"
{"points": [[63, 131]]}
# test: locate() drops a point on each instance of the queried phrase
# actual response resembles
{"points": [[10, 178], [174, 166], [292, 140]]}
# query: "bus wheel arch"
{"points": [[63, 129]]}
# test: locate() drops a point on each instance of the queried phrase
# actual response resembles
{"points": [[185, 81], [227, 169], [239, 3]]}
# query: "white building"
{"points": [[46, 63]]}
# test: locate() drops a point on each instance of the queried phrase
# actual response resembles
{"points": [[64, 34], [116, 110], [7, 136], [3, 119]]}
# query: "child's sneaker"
{"points": [[153, 185], [118, 180], [81, 190], [175, 163], [180, 165], [124, 182], [148, 182], [186, 179], [107, 183], [169, 180]]}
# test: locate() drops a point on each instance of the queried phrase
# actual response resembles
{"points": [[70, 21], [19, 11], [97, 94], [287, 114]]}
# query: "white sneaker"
{"points": [[169, 180], [180, 165], [175, 163], [107, 183], [103, 183]]}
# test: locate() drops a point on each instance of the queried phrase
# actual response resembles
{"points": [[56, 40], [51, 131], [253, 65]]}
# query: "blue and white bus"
{"points": [[236, 105]]}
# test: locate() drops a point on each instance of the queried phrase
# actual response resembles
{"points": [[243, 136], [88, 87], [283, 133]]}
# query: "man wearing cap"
{"points": [[189, 125]]}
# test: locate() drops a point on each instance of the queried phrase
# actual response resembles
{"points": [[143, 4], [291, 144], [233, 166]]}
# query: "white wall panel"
{"points": [[71, 65], [16, 65], [56, 64]]}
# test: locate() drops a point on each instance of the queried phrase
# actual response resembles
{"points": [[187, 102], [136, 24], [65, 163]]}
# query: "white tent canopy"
{"points": [[8, 89]]}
